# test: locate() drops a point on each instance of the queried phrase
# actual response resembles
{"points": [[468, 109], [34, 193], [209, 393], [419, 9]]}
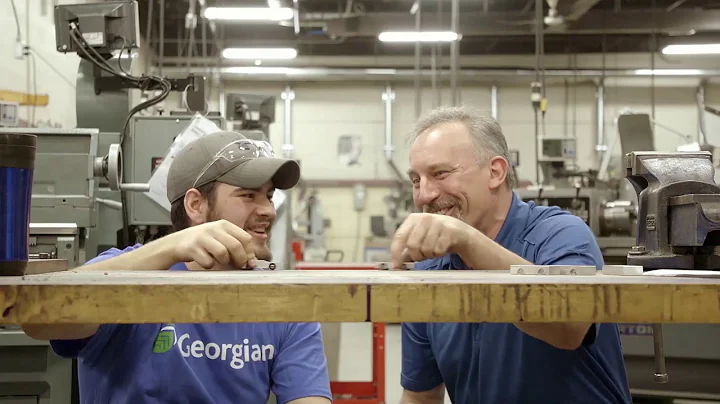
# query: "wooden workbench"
{"points": [[352, 296]]}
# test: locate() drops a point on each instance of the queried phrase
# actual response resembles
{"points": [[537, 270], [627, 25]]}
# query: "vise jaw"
{"points": [[678, 210]]}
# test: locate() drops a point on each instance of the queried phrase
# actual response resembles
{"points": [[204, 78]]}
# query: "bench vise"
{"points": [[678, 214]]}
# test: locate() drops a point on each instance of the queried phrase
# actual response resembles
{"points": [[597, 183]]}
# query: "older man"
{"points": [[221, 188], [473, 220]]}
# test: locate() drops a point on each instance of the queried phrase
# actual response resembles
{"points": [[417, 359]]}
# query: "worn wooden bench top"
{"points": [[353, 296]]}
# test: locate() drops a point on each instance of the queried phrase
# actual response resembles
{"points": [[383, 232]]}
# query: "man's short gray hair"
{"points": [[486, 133]]}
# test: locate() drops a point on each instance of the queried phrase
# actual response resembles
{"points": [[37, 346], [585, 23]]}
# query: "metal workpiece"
{"points": [[580, 270]]}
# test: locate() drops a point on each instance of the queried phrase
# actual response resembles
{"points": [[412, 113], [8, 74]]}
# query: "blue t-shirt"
{"points": [[488, 363], [198, 363]]}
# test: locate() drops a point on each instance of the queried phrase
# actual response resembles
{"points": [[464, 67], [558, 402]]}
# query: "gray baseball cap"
{"points": [[245, 170]]}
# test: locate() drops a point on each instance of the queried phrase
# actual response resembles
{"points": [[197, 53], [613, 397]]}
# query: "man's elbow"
{"points": [[434, 396], [43, 332], [38, 332], [571, 336], [566, 336], [310, 400]]}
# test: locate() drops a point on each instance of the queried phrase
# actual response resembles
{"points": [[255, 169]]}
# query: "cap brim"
{"points": [[254, 173]]}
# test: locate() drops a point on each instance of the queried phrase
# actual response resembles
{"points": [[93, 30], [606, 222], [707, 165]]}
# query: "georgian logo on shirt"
{"points": [[165, 339], [237, 355]]}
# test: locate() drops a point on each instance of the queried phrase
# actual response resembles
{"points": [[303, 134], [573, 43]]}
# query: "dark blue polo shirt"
{"points": [[490, 363]]}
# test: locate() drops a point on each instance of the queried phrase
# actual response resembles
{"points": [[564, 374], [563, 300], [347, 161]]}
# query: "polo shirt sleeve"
{"points": [[569, 241], [300, 367], [419, 367], [87, 349]]}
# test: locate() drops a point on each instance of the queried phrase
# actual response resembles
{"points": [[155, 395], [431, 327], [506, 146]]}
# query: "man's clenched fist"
{"points": [[214, 245], [425, 235]]}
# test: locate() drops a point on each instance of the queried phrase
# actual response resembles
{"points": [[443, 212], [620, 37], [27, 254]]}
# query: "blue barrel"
{"points": [[17, 163]]}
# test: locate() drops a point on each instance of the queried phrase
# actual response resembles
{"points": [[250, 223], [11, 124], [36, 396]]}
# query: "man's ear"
{"points": [[195, 206], [498, 171]]}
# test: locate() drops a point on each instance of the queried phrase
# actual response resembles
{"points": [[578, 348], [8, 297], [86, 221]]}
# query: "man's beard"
{"points": [[448, 207], [261, 248]]}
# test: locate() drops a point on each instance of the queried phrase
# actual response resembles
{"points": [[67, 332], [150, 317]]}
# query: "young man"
{"points": [[221, 189], [473, 220]]}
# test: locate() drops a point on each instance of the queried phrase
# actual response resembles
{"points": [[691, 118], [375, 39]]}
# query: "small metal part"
{"points": [[579, 270], [622, 270], [529, 270], [660, 372], [408, 266], [262, 265]]}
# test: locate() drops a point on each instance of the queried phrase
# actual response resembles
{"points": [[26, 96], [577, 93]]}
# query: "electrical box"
{"points": [[560, 149], [9, 113]]}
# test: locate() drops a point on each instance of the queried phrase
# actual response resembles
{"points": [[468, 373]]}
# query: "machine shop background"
{"points": [[344, 106]]}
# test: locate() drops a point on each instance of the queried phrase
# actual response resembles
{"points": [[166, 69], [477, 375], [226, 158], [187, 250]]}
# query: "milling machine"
{"points": [[78, 183]]}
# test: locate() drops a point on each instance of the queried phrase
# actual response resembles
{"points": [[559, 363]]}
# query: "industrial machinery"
{"points": [[678, 201], [611, 219], [149, 139], [78, 185], [555, 155], [250, 114], [310, 217], [64, 209]]}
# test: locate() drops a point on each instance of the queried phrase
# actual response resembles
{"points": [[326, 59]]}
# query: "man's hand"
{"points": [[425, 235], [213, 243]]}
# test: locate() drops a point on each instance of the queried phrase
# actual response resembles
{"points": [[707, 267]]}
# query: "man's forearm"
{"points": [[483, 252], [156, 255], [153, 256]]}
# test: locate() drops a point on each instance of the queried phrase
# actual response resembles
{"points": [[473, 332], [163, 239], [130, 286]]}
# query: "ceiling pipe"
{"points": [[260, 73]]}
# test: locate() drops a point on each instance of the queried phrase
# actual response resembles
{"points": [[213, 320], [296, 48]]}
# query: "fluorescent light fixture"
{"points": [[668, 72], [692, 49], [302, 71], [415, 36], [260, 53], [249, 13], [256, 70]]}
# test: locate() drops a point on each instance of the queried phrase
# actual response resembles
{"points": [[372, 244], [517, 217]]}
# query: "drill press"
{"points": [[678, 212]]}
